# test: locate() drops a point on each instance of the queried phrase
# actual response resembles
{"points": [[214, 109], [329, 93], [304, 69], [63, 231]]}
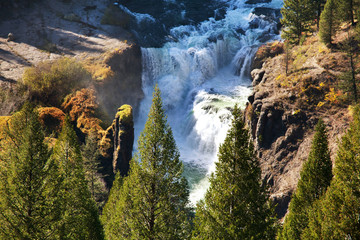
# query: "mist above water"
{"points": [[202, 66]]}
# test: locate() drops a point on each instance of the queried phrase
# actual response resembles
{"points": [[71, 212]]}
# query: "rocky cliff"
{"points": [[49, 30], [285, 107], [116, 144]]}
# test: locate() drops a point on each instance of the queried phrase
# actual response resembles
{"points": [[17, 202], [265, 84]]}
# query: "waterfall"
{"points": [[202, 72]]}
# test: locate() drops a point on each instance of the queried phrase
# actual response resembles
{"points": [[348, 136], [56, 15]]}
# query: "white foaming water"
{"points": [[202, 76]]}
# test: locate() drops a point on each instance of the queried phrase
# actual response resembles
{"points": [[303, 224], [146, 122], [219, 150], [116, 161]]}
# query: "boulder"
{"points": [[11, 37]]}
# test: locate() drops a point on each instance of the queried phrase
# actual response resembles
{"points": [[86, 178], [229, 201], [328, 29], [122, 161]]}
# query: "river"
{"points": [[200, 54]]}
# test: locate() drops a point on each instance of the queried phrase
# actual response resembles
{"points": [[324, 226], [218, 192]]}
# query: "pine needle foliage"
{"points": [[315, 177], [329, 21], [298, 16], [27, 196], [336, 216], [236, 205], [79, 214], [152, 202], [91, 162]]}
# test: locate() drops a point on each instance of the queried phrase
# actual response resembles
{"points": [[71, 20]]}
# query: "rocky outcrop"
{"points": [[123, 129], [116, 144], [281, 117]]}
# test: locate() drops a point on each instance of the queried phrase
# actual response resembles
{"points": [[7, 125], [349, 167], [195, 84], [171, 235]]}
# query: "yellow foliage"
{"points": [[81, 107], [98, 70], [332, 96], [125, 114], [4, 120], [51, 81], [52, 118], [296, 112], [320, 104]]}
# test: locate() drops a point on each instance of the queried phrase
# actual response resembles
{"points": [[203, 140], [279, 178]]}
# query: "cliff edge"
{"points": [[293, 88]]}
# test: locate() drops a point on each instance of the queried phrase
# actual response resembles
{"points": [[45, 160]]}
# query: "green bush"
{"points": [[49, 82]]}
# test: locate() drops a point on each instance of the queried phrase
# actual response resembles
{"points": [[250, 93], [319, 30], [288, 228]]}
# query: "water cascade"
{"points": [[203, 70]]}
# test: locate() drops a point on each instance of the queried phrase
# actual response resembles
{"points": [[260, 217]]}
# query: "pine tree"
{"points": [[111, 217], [153, 200], [329, 21], [26, 191], [315, 177], [340, 208], [318, 5], [297, 19], [348, 9], [79, 214], [236, 205], [350, 82], [90, 153]]}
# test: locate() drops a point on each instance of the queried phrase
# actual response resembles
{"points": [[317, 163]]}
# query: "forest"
{"points": [[57, 182]]}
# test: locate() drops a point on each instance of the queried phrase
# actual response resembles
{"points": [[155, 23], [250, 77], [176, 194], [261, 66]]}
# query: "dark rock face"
{"points": [[124, 87], [123, 130], [116, 145], [276, 131]]}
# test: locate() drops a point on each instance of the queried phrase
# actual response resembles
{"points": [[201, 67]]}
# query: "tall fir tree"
{"points": [[236, 205], [329, 21], [111, 217], [27, 194], [315, 177], [152, 202], [337, 215], [79, 214], [298, 16], [349, 79], [91, 161]]}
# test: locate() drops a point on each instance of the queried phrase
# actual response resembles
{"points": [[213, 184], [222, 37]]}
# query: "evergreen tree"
{"points": [[79, 214], [298, 15], [111, 217], [329, 21], [90, 153], [338, 213], [318, 5], [236, 205], [26, 191], [315, 177], [350, 82], [348, 9], [153, 200]]}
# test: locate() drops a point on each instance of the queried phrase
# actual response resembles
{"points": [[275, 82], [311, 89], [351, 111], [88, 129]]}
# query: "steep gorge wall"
{"points": [[282, 127]]}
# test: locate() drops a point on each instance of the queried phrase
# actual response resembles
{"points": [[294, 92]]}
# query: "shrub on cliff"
{"points": [[50, 82], [236, 205], [83, 109], [51, 118]]}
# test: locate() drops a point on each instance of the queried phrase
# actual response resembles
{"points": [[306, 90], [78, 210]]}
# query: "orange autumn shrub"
{"points": [[81, 107]]}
